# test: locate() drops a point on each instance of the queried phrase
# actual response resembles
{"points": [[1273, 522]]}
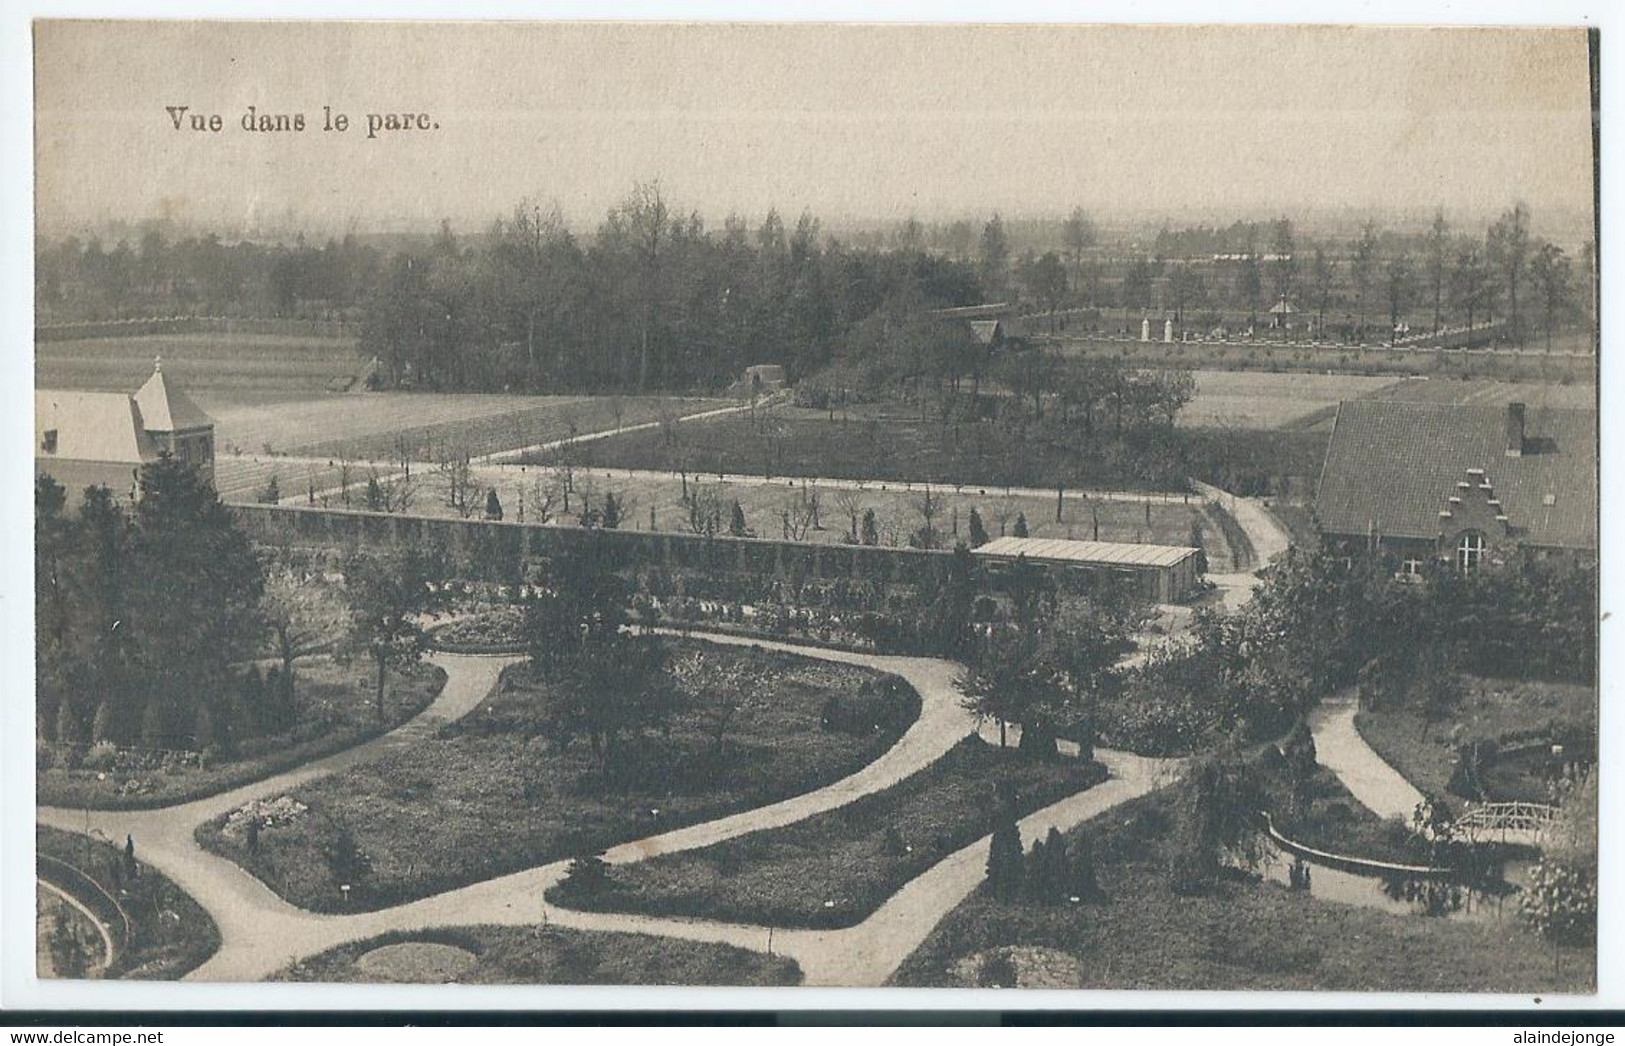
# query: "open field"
{"points": [[1530, 365], [1253, 400], [544, 955], [1245, 934], [496, 793], [836, 868], [373, 426], [252, 364], [873, 443]]}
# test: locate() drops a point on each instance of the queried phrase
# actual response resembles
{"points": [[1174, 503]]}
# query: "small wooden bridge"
{"points": [[1517, 822]]}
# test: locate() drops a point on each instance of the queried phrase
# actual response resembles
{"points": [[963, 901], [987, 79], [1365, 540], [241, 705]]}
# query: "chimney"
{"points": [[1514, 430]]}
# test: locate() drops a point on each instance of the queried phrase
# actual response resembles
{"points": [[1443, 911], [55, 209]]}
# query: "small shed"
{"points": [[1281, 313], [768, 377], [1163, 573]]}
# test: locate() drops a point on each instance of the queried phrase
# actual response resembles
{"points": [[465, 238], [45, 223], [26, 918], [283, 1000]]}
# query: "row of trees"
{"points": [[141, 614], [654, 300], [152, 620], [1446, 277]]}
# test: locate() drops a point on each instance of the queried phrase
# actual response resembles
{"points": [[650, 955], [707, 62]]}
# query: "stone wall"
{"points": [[498, 550]]}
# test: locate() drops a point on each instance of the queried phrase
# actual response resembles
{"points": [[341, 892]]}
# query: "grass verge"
{"points": [[836, 868], [496, 793], [1244, 934], [554, 955], [1491, 710]]}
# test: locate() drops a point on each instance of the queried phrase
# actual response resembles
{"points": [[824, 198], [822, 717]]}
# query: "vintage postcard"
{"points": [[957, 506]]}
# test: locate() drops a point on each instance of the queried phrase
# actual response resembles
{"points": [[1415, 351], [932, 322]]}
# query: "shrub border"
{"points": [[285, 759]]}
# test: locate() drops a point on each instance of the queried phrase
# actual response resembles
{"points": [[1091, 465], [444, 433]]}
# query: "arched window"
{"points": [[1469, 550]]}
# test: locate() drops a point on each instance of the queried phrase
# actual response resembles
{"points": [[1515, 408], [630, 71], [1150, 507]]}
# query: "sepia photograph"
{"points": [[712, 504]]}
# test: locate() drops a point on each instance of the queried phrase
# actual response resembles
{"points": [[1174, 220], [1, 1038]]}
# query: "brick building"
{"points": [[1471, 485]]}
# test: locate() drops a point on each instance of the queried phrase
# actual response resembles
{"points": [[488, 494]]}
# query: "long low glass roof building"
{"points": [[1165, 573]]}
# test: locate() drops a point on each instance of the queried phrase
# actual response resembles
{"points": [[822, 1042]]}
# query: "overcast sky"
{"points": [[853, 122]]}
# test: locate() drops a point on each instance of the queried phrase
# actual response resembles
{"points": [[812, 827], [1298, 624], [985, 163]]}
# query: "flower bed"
{"points": [[497, 630]]}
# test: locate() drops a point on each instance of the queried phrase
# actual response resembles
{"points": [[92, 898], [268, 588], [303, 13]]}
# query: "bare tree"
{"points": [[850, 501], [462, 485], [1005, 510], [928, 506], [798, 514], [546, 491], [704, 510], [345, 469]]}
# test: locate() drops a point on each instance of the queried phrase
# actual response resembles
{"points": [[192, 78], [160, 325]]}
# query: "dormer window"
{"points": [[1548, 500], [48, 443]]}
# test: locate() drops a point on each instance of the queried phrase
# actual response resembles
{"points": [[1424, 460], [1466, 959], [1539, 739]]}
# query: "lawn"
{"points": [[889, 444], [1490, 710], [1245, 934], [428, 426], [336, 712], [873, 443], [493, 794], [836, 868], [1255, 400], [170, 934], [548, 955]]}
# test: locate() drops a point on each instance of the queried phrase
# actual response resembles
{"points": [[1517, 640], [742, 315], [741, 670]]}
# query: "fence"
{"points": [[92, 895]]}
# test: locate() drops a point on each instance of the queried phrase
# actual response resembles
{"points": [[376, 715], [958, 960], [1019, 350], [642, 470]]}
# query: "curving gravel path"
{"points": [[1367, 776], [260, 932]]}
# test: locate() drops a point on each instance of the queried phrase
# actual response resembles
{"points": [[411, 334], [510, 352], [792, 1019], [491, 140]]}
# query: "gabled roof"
{"points": [[1101, 552], [1391, 466], [992, 310], [91, 426], [985, 332], [166, 409]]}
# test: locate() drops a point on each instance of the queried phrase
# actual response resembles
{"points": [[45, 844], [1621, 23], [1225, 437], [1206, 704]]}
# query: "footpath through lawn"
{"points": [[1242, 934], [501, 791], [836, 868]]}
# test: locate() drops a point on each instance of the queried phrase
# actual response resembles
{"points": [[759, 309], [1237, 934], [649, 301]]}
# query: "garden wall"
{"points": [[498, 550]]}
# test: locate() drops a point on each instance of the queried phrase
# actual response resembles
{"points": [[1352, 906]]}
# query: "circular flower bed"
{"points": [[416, 962], [501, 629]]}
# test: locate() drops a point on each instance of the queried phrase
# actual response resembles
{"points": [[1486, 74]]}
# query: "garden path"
{"points": [[261, 932], [1367, 776]]}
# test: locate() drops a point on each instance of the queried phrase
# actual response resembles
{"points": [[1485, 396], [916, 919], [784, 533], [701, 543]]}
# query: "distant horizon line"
{"points": [[291, 224]]}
